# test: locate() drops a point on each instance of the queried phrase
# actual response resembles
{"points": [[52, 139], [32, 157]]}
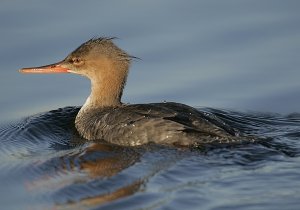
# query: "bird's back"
{"points": [[162, 123]]}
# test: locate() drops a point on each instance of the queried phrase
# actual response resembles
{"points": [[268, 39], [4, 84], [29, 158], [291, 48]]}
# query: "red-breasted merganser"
{"points": [[105, 117]]}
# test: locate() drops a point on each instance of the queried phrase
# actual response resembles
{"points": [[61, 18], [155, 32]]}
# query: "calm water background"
{"points": [[236, 55]]}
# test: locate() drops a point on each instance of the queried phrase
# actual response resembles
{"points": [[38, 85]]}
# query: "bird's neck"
{"points": [[107, 86]]}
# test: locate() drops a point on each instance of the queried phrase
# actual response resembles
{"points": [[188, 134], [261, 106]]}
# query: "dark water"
{"points": [[46, 165]]}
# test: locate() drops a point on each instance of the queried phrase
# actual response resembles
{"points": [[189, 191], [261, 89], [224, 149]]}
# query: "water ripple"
{"points": [[44, 159]]}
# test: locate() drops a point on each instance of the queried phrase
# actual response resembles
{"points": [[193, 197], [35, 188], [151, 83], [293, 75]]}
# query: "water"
{"points": [[46, 165], [229, 55]]}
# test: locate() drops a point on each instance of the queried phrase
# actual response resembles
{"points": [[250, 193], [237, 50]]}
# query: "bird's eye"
{"points": [[76, 61]]}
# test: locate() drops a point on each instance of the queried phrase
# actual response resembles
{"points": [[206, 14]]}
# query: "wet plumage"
{"points": [[162, 123]]}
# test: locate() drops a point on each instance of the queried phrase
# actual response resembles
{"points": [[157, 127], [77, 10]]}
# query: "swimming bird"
{"points": [[104, 117]]}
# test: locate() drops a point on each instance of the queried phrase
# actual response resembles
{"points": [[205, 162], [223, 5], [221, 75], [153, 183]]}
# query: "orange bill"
{"points": [[52, 68]]}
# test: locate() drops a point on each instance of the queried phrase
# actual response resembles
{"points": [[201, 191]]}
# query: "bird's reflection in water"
{"points": [[109, 161], [86, 176], [100, 161], [102, 199]]}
